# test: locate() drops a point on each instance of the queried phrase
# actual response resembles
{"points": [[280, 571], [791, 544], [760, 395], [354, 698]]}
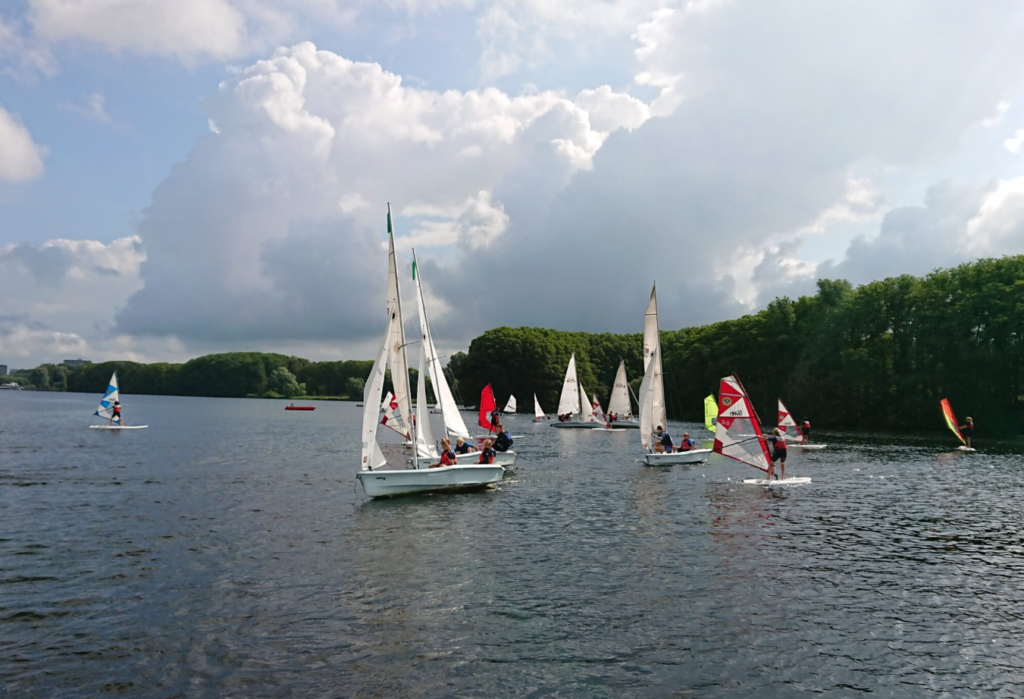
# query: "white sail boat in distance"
{"points": [[618, 403], [538, 414], [652, 397], [569, 403], [510, 407], [376, 478], [106, 409]]}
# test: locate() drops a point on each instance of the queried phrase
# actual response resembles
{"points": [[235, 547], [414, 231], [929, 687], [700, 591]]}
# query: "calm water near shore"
{"points": [[226, 552]]}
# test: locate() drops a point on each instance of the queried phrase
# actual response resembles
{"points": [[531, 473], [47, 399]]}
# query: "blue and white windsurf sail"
{"points": [[106, 408]]}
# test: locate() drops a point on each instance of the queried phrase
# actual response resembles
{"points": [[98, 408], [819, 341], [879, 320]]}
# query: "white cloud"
{"points": [[21, 158], [93, 106], [998, 226], [610, 111], [23, 58], [1015, 144]]}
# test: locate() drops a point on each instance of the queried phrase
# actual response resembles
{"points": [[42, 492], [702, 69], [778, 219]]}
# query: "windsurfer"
{"points": [[115, 414], [778, 443], [966, 430], [805, 430]]}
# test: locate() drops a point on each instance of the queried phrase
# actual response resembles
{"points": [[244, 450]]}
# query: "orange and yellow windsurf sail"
{"points": [[947, 412]]}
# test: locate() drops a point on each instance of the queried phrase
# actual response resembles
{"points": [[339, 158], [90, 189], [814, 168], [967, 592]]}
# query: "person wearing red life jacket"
{"points": [[448, 457], [805, 430], [487, 454], [778, 444], [115, 413], [687, 443]]}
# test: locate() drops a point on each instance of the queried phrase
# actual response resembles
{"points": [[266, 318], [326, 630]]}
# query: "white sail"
{"points": [[737, 420], [618, 404], [396, 338], [425, 447], [586, 410], [652, 352], [372, 391], [454, 425], [569, 402], [510, 407], [646, 400], [109, 396], [786, 422], [537, 412]]}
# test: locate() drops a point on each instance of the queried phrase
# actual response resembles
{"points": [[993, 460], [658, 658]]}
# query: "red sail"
{"points": [[739, 434], [487, 406]]}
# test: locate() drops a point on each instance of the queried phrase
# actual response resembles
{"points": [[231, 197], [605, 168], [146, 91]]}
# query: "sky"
{"points": [[213, 175]]}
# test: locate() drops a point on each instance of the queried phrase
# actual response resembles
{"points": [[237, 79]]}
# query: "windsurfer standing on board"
{"points": [[966, 430], [115, 413], [778, 443], [805, 430]]}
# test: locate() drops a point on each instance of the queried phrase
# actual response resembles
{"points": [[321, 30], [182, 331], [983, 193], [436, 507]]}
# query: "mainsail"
{"points": [[396, 339], [736, 418], [710, 413], [586, 409], [453, 422], [651, 414], [786, 422], [487, 406], [374, 388], [510, 407], [569, 402], [652, 350], [112, 394], [947, 412], [618, 404], [537, 412]]}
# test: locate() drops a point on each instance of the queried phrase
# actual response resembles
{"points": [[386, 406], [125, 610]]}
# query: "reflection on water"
{"points": [[226, 551]]}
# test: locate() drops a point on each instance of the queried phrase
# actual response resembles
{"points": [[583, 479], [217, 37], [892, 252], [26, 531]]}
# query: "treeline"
{"points": [[880, 355]]}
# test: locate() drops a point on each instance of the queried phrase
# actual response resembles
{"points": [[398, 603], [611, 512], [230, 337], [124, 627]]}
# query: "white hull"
{"points": [[382, 484], [773, 483], [808, 446], [694, 456], [968, 449], [577, 424], [118, 427]]}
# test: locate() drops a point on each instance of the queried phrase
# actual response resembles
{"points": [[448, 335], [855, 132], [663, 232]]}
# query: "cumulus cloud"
{"points": [[67, 292], [21, 158]]}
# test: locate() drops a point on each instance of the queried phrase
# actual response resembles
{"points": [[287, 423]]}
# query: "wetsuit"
{"points": [[502, 441]]}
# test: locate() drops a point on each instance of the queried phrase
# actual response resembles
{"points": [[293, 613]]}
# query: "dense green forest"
{"points": [[879, 355]]}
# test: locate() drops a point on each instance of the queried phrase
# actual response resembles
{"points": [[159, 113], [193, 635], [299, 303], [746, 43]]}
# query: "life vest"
{"points": [[487, 456], [117, 410], [806, 425], [686, 445], [780, 444], [448, 458]]}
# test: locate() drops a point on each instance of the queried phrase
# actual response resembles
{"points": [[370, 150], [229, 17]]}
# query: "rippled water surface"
{"points": [[226, 552]]}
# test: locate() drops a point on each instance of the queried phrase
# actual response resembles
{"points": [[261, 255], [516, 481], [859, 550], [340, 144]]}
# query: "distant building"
{"points": [[4, 369]]}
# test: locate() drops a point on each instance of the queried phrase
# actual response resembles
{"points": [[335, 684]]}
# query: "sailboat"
{"points": [[618, 403], [106, 409], [710, 413], [538, 414], [510, 407], [570, 403], [789, 428], [375, 476], [652, 396], [951, 422], [736, 419]]}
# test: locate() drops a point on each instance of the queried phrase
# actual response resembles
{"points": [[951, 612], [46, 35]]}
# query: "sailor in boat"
{"points": [[448, 457], [966, 430], [687, 443], [778, 444], [463, 447], [116, 414], [664, 443], [503, 440], [805, 430], [487, 453]]}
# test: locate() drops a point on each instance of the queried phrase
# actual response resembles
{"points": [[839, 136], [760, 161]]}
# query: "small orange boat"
{"points": [[299, 407]]}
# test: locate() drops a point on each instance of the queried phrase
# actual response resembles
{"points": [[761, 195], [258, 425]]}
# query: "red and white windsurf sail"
{"points": [[786, 422], [389, 406], [487, 406], [736, 419]]}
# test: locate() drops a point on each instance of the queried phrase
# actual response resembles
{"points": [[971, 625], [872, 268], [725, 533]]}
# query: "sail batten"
{"points": [[736, 420]]}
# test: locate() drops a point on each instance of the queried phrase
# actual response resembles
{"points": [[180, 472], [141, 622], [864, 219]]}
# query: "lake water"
{"points": [[226, 552]]}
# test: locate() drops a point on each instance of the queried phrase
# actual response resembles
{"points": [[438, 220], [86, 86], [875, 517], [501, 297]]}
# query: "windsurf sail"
{"points": [[947, 412], [106, 408], [390, 420], [595, 405], [736, 418], [618, 404], [710, 413], [786, 422], [510, 407], [569, 401], [537, 412], [487, 406]]}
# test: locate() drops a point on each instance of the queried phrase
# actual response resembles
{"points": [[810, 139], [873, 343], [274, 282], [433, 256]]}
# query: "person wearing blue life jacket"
{"points": [[778, 453], [502, 440], [687, 443], [664, 443]]}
